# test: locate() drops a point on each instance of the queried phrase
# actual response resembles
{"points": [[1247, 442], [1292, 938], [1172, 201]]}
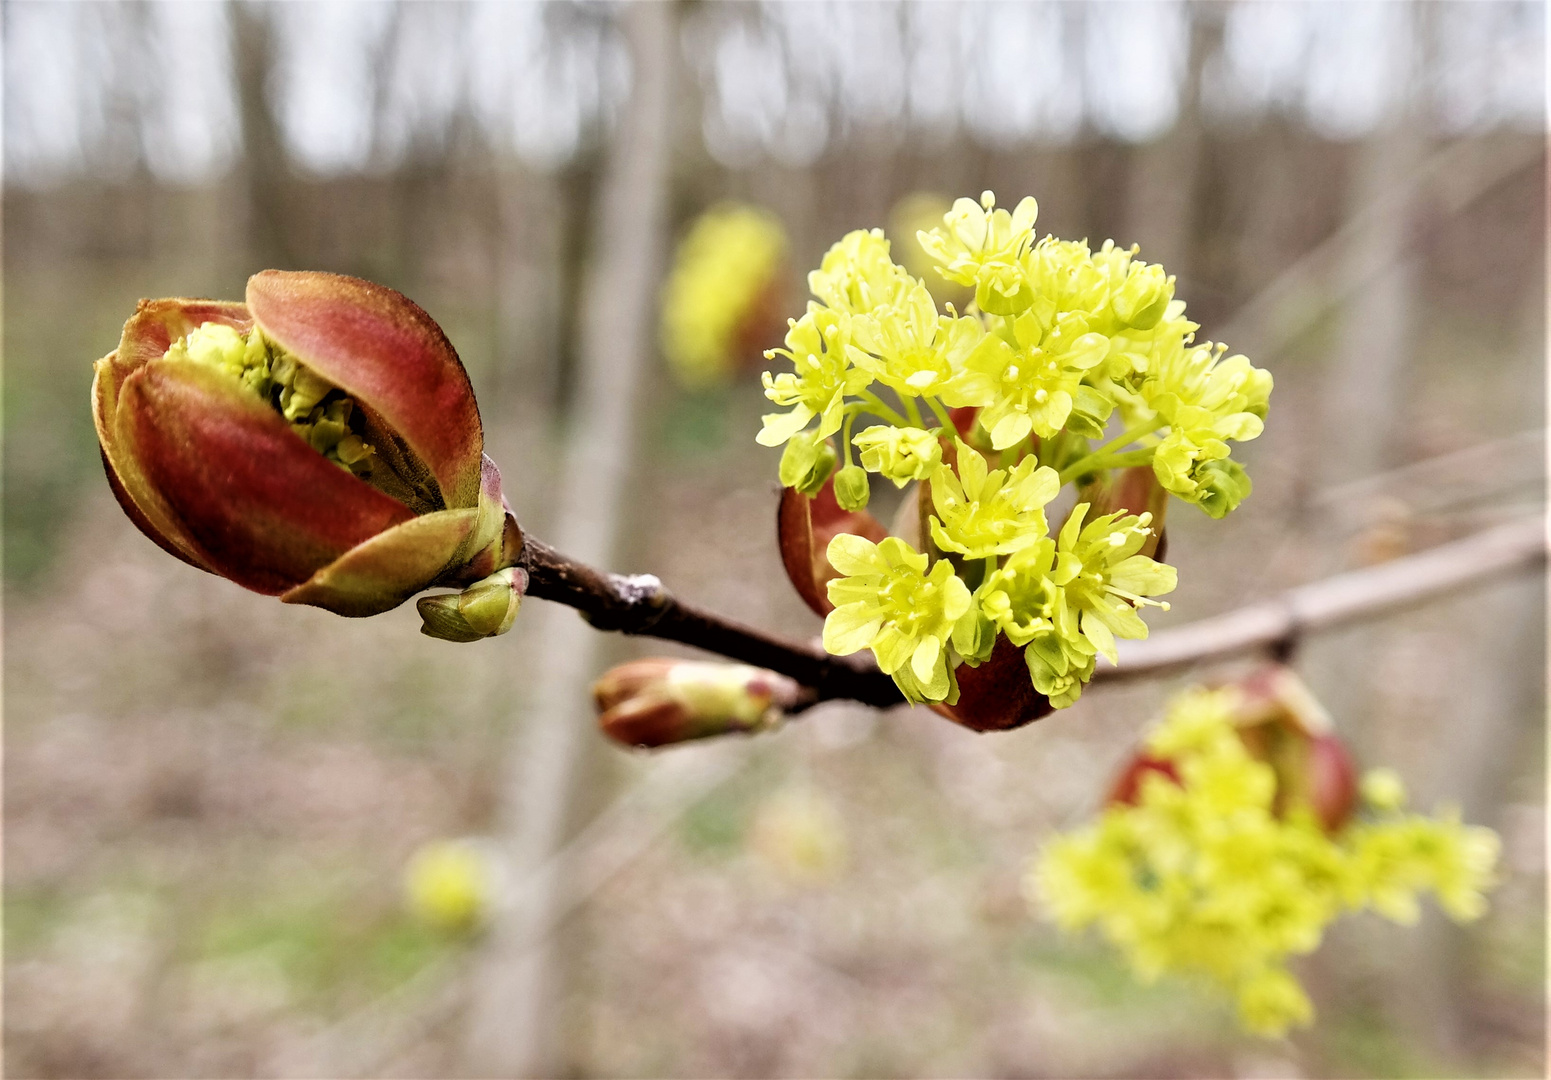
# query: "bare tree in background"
{"points": [[519, 981], [265, 159]]}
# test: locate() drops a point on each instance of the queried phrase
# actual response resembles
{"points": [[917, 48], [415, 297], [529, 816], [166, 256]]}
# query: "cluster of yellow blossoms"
{"points": [[1202, 877], [1060, 346], [724, 266]]}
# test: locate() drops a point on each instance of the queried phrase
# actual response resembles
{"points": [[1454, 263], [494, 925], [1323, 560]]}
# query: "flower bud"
{"points": [[1221, 486], [486, 608], [319, 442], [901, 454], [851, 488], [807, 462], [660, 701], [1144, 296]]}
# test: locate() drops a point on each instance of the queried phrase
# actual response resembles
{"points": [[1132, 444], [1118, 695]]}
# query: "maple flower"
{"points": [[857, 275], [1031, 382], [816, 346], [1202, 867], [888, 602], [983, 512], [902, 454], [982, 246], [910, 348]]}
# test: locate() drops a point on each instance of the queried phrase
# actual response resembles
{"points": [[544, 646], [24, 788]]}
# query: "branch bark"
{"points": [[640, 604]]}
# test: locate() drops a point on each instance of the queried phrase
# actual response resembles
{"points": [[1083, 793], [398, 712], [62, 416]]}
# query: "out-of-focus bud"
{"points": [[918, 212], [661, 701], [724, 300], [807, 462], [1144, 296], [319, 442], [453, 884], [1127, 788], [1383, 789], [851, 488], [1282, 724], [800, 836], [485, 609]]}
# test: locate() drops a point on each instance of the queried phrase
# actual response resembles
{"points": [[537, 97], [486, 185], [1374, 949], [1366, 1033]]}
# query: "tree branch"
{"points": [[1345, 598], [640, 604]]}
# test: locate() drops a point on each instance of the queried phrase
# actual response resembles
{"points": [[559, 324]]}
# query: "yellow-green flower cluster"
{"points": [[1201, 877], [1068, 363], [724, 265]]}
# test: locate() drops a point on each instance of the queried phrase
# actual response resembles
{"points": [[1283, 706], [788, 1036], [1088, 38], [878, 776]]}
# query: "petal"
{"points": [[924, 660], [851, 628], [971, 469], [1010, 430], [855, 556], [267, 510], [380, 348], [779, 427], [1143, 576], [1099, 634], [381, 573], [892, 648]]}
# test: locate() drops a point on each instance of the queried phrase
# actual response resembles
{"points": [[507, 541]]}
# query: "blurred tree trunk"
{"points": [[1164, 174], [519, 983], [265, 164]]}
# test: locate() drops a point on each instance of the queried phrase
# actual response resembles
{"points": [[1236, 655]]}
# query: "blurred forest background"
{"points": [[210, 797]]}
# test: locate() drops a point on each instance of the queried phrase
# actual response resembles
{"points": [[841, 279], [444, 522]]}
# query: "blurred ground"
{"points": [[209, 796]]}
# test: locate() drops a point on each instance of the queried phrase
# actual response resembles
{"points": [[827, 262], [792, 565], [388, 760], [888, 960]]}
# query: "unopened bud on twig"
{"points": [[484, 609], [659, 701]]}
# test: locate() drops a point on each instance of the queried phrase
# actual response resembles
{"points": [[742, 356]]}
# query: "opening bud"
{"points": [[1144, 296], [660, 701], [487, 608], [807, 462], [851, 488]]}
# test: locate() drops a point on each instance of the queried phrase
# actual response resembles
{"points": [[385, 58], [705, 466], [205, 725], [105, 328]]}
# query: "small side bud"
{"points": [[807, 462], [486, 608], [658, 701], [851, 488]]}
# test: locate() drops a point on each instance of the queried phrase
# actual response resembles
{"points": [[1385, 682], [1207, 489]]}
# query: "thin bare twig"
{"points": [[1337, 601], [641, 605]]}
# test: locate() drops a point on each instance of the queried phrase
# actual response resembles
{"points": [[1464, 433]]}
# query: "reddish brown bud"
{"points": [[660, 701], [205, 464], [1282, 724]]}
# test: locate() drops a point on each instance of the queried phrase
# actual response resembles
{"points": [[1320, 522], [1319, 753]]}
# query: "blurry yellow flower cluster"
{"points": [[1059, 345], [724, 273], [453, 885], [1200, 876]]}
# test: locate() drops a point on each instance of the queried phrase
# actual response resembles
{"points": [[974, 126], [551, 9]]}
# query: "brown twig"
{"points": [[1345, 598], [640, 604]]}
